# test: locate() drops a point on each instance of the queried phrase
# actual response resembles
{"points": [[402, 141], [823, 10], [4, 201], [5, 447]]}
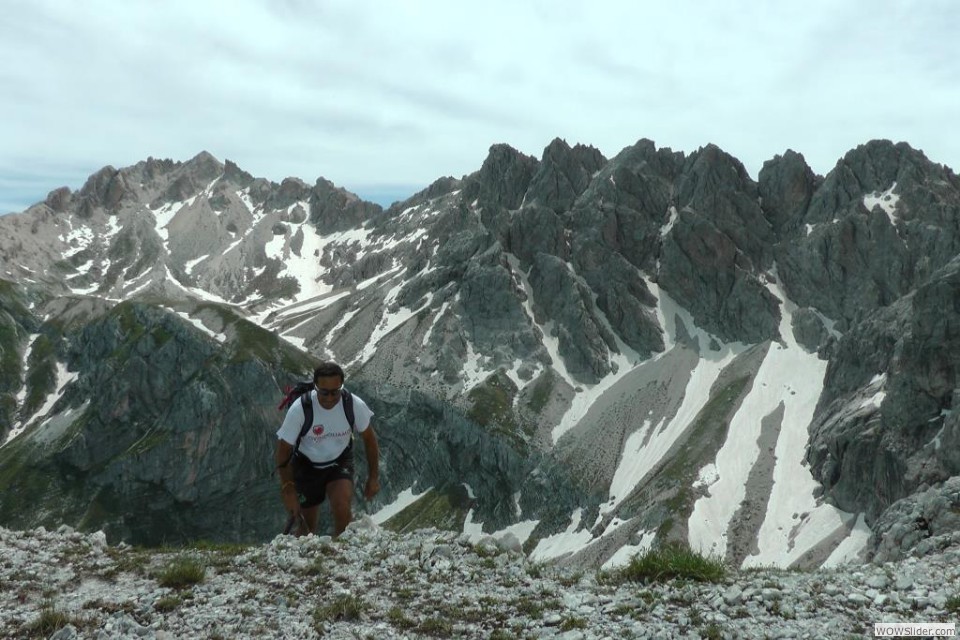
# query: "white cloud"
{"points": [[401, 93]]}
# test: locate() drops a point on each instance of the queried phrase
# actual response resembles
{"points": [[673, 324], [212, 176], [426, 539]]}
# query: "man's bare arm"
{"points": [[288, 490], [372, 449]]}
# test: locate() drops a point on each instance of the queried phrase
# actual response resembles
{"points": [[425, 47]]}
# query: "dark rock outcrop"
{"points": [[850, 260], [786, 185], [870, 454], [335, 209], [563, 175], [706, 272]]}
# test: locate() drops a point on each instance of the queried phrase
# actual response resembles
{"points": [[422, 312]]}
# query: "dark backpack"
{"points": [[302, 391]]}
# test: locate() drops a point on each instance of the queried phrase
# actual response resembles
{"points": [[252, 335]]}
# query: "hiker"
{"points": [[321, 466]]}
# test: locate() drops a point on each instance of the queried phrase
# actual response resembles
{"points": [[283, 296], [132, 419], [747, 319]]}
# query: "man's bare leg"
{"points": [[340, 495]]}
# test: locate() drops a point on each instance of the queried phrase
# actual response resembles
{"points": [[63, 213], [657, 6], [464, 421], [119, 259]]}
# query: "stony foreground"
{"points": [[371, 583]]}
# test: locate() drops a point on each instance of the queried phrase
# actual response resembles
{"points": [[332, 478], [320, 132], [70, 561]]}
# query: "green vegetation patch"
{"points": [[167, 604], [24, 483], [953, 604], [182, 572], [251, 340], [49, 622], [671, 562], [398, 618], [160, 335], [345, 607], [491, 406], [436, 627], [541, 391], [446, 510], [130, 324], [150, 440], [9, 350]]}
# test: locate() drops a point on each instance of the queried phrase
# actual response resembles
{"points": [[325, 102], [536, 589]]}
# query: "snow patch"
{"points": [[707, 476], [563, 543], [671, 220], [625, 554], [645, 447], [188, 268], [64, 378], [404, 499], [794, 521], [390, 321], [219, 337], [165, 214], [850, 550], [473, 372], [886, 200]]}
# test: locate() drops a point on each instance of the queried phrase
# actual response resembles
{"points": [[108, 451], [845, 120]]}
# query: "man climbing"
{"points": [[321, 465]]}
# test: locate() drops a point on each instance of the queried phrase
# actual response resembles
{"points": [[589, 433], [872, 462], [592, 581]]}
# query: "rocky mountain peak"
{"points": [[879, 163], [236, 175], [59, 199], [107, 189], [290, 191], [203, 167], [711, 169], [439, 187], [334, 208], [563, 175], [786, 186], [504, 177]]}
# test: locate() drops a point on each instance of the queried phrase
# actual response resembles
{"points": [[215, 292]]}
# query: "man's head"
{"points": [[328, 379]]}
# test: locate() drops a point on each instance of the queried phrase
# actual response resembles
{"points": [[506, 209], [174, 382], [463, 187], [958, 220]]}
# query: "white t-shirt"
{"points": [[329, 435]]}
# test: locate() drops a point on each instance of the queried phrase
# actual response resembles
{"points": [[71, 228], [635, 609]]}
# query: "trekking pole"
{"points": [[290, 522]]}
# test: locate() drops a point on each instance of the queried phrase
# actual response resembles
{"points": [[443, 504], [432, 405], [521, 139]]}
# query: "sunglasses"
{"points": [[326, 393]]}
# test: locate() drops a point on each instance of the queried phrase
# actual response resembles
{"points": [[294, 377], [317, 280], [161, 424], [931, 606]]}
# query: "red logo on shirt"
{"points": [[318, 430]]}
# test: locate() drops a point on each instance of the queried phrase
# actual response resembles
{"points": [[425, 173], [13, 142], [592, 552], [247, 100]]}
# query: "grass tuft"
{"points": [[167, 603], [49, 622], [669, 562], [344, 607], [182, 572], [397, 618], [436, 627], [953, 604]]}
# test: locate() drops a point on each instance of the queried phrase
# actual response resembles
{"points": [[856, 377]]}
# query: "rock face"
{"points": [[496, 322], [870, 232], [921, 524], [886, 426], [16, 324], [150, 390]]}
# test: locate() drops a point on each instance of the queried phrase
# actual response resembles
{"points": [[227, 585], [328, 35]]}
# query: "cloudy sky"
{"points": [[383, 97]]}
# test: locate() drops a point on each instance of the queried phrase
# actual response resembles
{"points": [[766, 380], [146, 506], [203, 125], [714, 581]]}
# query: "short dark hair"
{"points": [[328, 370]]}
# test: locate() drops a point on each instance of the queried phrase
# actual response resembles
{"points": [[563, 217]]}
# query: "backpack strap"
{"points": [[347, 399], [307, 404]]}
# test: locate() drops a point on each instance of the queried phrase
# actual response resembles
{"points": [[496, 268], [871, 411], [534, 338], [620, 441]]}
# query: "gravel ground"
{"points": [[371, 583]]}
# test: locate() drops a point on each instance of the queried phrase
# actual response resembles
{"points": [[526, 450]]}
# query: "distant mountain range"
{"points": [[593, 354]]}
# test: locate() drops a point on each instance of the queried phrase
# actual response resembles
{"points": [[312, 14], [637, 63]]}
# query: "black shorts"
{"points": [[311, 480]]}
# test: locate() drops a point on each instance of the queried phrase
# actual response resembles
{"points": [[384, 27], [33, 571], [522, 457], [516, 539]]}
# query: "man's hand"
{"points": [[372, 487]]}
